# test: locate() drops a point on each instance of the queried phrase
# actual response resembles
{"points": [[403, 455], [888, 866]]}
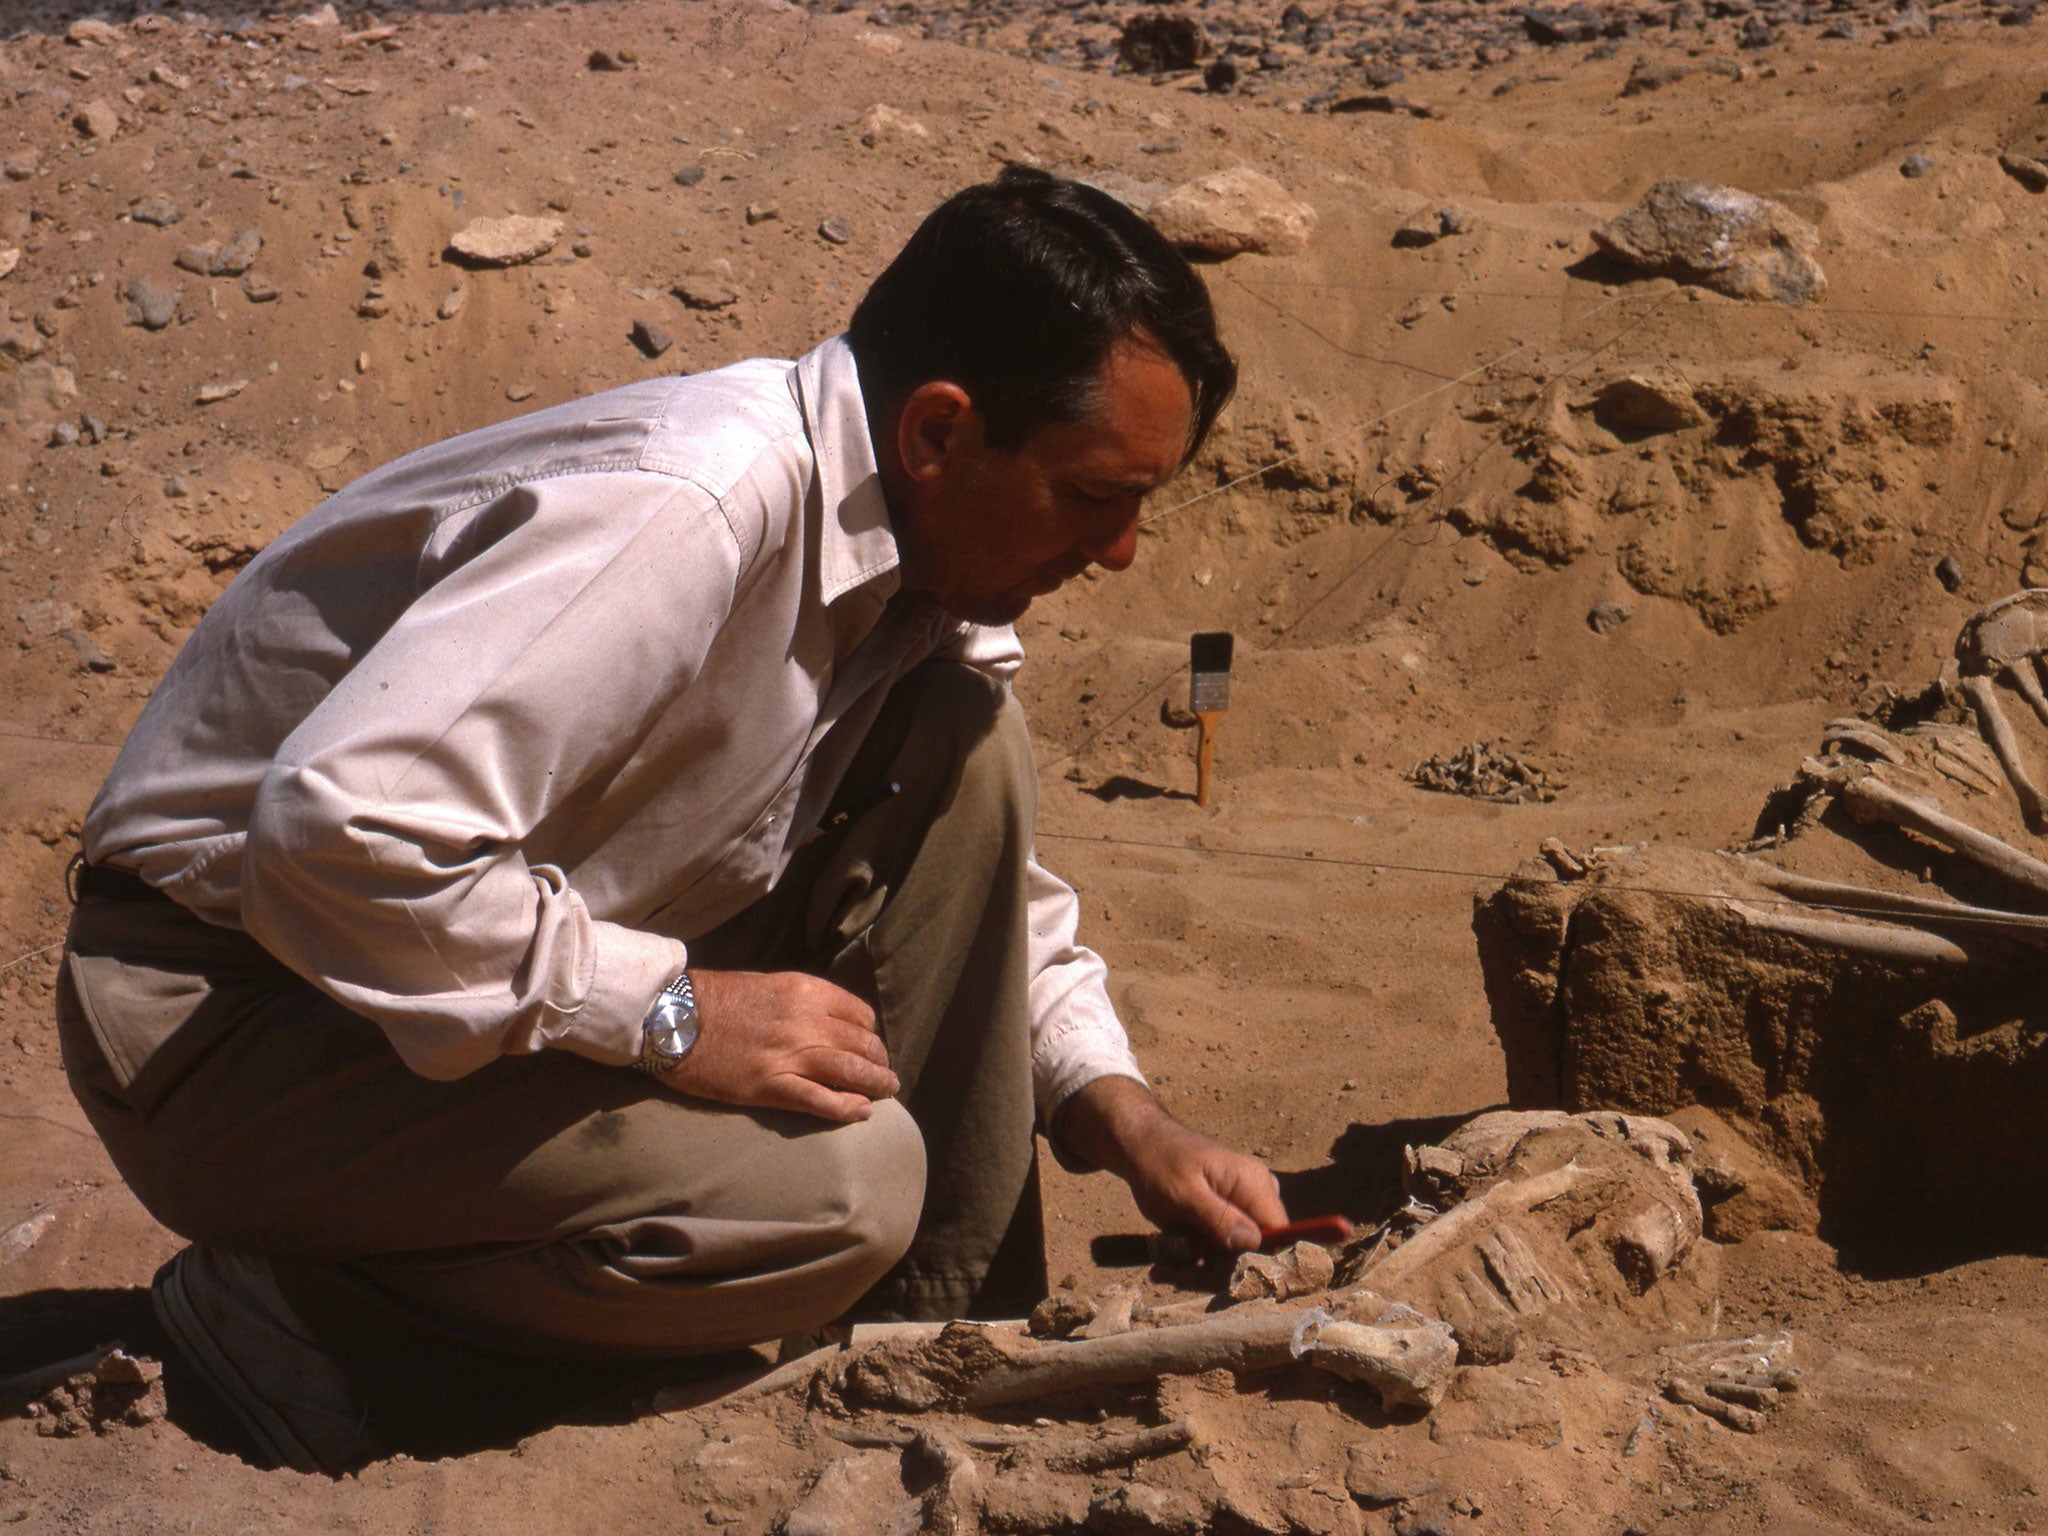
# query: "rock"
{"points": [[20, 167], [1576, 24], [1639, 405], [1487, 1339], [96, 120], [606, 62], [452, 305], [213, 394], [1221, 76], [1232, 212], [374, 305], [1158, 42], [705, 290], [19, 343], [508, 242], [158, 211], [175, 488], [91, 31], [1949, 572], [880, 123], [88, 651], [1911, 22], [836, 231], [1606, 618], [651, 338], [37, 392], [1453, 221], [196, 259], [689, 175], [63, 434], [10, 258], [1376, 101], [1646, 77], [860, 1495], [1731, 241], [1755, 33], [259, 289], [150, 306], [1913, 167], [761, 213], [41, 619], [1059, 1315], [237, 256], [2024, 169]]}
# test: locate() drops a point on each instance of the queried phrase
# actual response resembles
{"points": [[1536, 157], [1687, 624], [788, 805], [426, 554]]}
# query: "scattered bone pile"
{"points": [[1485, 770], [1566, 1242], [1857, 987]]}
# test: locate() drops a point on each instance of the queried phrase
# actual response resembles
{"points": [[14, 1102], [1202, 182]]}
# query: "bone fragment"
{"points": [[1734, 1415], [1879, 941], [1465, 1222], [1405, 1365], [2027, 927], [1741, 1392], [1991, 716], [1870, 798], [1860, 733], [1124, 1450]]}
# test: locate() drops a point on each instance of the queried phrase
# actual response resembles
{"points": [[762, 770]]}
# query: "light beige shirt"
{"points": [[479, 743]]}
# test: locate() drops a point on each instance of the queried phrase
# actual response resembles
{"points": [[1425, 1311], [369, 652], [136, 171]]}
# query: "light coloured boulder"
{"points": [[1234, 211], [1731, 241], [38, 392], [507, 242]]}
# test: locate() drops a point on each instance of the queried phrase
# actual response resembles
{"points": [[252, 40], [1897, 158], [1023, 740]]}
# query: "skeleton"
{"points": [[1898, 778], [2005, 641], [1856, 989]]}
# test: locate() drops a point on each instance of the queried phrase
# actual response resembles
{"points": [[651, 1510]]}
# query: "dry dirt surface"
{"points": [[1480, 486]]}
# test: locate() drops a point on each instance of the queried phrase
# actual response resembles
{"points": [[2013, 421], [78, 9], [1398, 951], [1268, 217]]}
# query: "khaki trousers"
{"points": [[446, 1237]]}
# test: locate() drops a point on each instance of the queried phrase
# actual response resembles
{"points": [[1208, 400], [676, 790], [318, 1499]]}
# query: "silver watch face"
{"points": [[671, 1030]]}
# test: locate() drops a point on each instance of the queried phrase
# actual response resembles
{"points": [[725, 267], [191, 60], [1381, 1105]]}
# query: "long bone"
{"points": [[1879, 941], [2025, 927], [1983, 698], [1870, 798], [2024, 676]]}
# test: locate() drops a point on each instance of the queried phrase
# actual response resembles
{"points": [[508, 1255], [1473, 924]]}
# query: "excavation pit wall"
{"points": [[1905, 1098]]}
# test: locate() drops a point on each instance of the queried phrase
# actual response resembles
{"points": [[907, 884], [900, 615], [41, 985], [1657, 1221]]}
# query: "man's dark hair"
{"points": [[1017, 289]]}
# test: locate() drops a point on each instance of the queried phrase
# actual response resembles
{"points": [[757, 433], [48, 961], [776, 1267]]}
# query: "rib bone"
{"points": [[2026, 927], [1872, 799], [1983, 698]]}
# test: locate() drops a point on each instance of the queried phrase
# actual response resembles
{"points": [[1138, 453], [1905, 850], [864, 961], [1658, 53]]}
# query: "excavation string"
{"points": [[1990, 917]]}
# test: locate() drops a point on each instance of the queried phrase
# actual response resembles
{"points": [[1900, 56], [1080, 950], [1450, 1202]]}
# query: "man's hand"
{"points": [[784, 1040], [1179, 1177]]}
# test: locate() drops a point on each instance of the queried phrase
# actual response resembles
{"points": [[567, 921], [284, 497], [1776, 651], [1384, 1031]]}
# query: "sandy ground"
{"points": [[1295, 963]]}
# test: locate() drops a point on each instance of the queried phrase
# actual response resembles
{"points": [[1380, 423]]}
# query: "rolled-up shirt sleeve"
{"points": [[1076, 1036], [384, 859]]}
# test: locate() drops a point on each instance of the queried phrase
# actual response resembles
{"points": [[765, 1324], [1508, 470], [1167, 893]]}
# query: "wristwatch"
{"points": [[670, 1030]]}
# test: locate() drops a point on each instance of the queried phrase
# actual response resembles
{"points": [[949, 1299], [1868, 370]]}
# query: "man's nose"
{"points": [[1117, 549]]}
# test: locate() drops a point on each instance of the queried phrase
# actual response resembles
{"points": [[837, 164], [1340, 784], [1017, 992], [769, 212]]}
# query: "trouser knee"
{"points": [[875, 1183]]}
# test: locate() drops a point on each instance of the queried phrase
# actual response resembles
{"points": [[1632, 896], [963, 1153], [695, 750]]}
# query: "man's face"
{"points": [[984, 532]]}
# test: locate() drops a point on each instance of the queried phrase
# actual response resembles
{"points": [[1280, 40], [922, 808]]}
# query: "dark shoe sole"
{"points": [[273, 1437]]}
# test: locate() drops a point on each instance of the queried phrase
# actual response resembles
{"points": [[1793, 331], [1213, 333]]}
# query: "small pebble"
{"points": [[837, 231]]}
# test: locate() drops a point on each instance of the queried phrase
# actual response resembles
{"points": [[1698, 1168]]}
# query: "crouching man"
{"points": [[572, 902]]}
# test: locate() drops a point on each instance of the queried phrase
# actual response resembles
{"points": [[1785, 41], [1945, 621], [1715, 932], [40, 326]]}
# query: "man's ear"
{"points": [[930, 427]]}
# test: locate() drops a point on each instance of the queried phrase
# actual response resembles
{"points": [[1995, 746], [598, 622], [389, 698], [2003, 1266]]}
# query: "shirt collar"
{"points": [[855, 542]]}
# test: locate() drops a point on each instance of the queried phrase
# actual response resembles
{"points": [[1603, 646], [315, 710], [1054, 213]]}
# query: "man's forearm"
{"points": [[1105, 1121]]}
